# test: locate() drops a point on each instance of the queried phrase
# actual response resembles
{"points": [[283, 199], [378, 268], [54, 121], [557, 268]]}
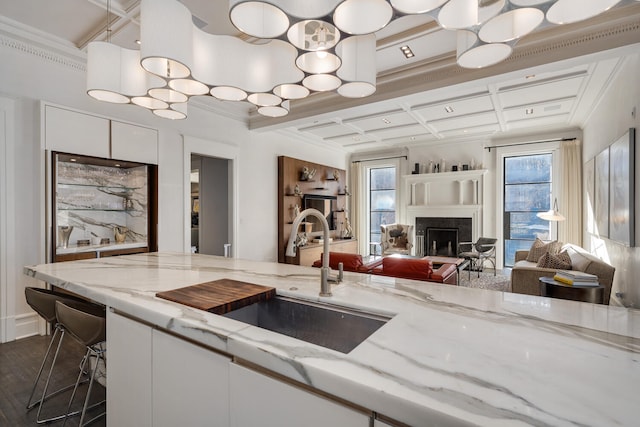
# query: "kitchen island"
{"points": [[448, 355]]}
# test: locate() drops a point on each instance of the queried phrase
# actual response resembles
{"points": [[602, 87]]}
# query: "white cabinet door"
{"points": [[128, 372], [190, 384], [258, 400], [134, 143], [77, 133]]}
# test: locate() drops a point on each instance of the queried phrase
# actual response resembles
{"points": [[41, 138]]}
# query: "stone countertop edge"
{"points": [[450, 355]]}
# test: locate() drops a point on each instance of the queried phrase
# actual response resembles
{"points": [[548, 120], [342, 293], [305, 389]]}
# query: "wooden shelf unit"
{"points": [[324, 183]]}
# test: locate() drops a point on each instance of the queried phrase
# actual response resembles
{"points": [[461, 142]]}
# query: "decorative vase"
{"points": [[120, 233], [64, 231]]}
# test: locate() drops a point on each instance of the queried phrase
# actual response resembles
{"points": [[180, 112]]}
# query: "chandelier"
{"points": [[300, 47]]}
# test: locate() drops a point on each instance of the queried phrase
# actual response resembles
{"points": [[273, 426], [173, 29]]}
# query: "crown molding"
{"points": [[17, 36]]}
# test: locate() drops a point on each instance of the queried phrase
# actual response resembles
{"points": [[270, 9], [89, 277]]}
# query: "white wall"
{"points": [[30, 75], [611, 119]]}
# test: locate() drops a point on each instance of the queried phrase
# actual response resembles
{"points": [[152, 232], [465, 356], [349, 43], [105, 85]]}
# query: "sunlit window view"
{"points": [[382, 200], [527, 190]]}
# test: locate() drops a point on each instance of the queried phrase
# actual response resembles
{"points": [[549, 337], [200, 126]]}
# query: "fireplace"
{"points": [[441, 241], [445, 232]]}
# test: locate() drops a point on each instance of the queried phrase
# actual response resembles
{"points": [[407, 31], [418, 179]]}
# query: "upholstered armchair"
{"points": [[396, 239]]}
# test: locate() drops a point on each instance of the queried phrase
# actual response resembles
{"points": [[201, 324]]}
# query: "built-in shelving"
{"points": [[98, 200], [327, 181]]}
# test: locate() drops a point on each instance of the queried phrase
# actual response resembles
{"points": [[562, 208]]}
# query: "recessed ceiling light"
{"points": [[72, 160], [528, 111], [387, 121], [406, 50], [138, 42], [448, 109]]}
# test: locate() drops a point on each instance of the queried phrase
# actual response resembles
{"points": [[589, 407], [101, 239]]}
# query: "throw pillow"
{"points": [[579, 260], [562, 261], [539, 248]]}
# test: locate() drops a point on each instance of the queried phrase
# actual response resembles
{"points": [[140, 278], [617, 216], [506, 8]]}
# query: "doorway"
{"points": [[210, 204]]}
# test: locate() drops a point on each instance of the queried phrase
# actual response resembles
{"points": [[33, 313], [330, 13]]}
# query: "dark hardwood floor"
{"points": [[19, 363]]}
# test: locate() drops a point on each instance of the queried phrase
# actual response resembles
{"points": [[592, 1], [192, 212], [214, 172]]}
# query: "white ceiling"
{"points": [[553, 96]]}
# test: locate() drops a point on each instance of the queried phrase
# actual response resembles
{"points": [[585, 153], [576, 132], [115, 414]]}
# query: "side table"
{"points": [[553, 288]]}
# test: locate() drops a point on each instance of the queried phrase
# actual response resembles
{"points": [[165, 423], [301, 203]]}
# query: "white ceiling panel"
{"points": [[471, 131], [541, 122], [382, 120], [466, 122], [459, 106], [325, 129], [540, 92], [71, 20], [402, 131], [535, 111], [352, 138]]}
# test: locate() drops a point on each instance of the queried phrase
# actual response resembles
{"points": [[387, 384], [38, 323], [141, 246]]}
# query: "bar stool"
{"points": [[87, 324], [43, 302]]}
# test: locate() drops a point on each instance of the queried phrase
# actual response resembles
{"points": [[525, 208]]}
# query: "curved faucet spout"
{"points": [[325, 289]]}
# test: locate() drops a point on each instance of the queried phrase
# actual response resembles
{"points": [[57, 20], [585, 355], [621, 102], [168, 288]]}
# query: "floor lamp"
{"points": [[552, 215]]}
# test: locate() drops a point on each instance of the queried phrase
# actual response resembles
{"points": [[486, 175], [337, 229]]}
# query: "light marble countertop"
{"points": [[450, 356]]}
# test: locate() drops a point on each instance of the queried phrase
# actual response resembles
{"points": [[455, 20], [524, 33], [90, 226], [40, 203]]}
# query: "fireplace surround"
{"points": [[440, 236]]}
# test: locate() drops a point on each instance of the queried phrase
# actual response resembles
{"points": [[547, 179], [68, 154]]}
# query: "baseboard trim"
{"points": [[26, 325]]}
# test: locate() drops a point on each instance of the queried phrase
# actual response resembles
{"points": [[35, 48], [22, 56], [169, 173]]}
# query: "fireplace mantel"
{"points": [[447, 194], [446, 188]]}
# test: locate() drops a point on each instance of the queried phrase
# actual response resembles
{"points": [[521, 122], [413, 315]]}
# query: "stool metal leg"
{"points": [[97, 352], [46, 396], [30, 404], [46, 384]]}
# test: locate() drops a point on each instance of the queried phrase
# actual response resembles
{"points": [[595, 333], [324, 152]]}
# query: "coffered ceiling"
{"points": [[552, 80]]}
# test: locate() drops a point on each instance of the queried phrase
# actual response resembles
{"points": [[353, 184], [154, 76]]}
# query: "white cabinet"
{"points": [[156, 379], [74, 132], [129, 372], [77, 133], [190, 384], [259, 400], [134, 143]]}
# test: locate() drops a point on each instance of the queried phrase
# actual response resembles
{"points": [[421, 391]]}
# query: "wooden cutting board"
{"points": [[220, 296]]}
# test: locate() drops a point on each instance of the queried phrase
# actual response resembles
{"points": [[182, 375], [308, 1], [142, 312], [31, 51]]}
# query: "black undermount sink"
{"points": [[325, 325]]}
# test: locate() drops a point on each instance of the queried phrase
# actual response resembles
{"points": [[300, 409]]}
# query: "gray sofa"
{"points": [[525, 274]]}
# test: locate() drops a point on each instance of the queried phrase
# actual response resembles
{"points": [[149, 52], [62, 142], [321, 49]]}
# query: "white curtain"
{"points": [[570, 230], [355, 189]]}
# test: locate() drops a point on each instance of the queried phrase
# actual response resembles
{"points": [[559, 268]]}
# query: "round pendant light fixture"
{"points": [[300, 47]]}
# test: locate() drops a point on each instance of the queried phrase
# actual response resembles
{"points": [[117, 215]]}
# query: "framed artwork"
{"points": [[589, 172], [602, 194], [621, 189]]}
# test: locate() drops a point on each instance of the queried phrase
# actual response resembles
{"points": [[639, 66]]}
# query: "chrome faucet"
{"points": [[325, 276]]}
